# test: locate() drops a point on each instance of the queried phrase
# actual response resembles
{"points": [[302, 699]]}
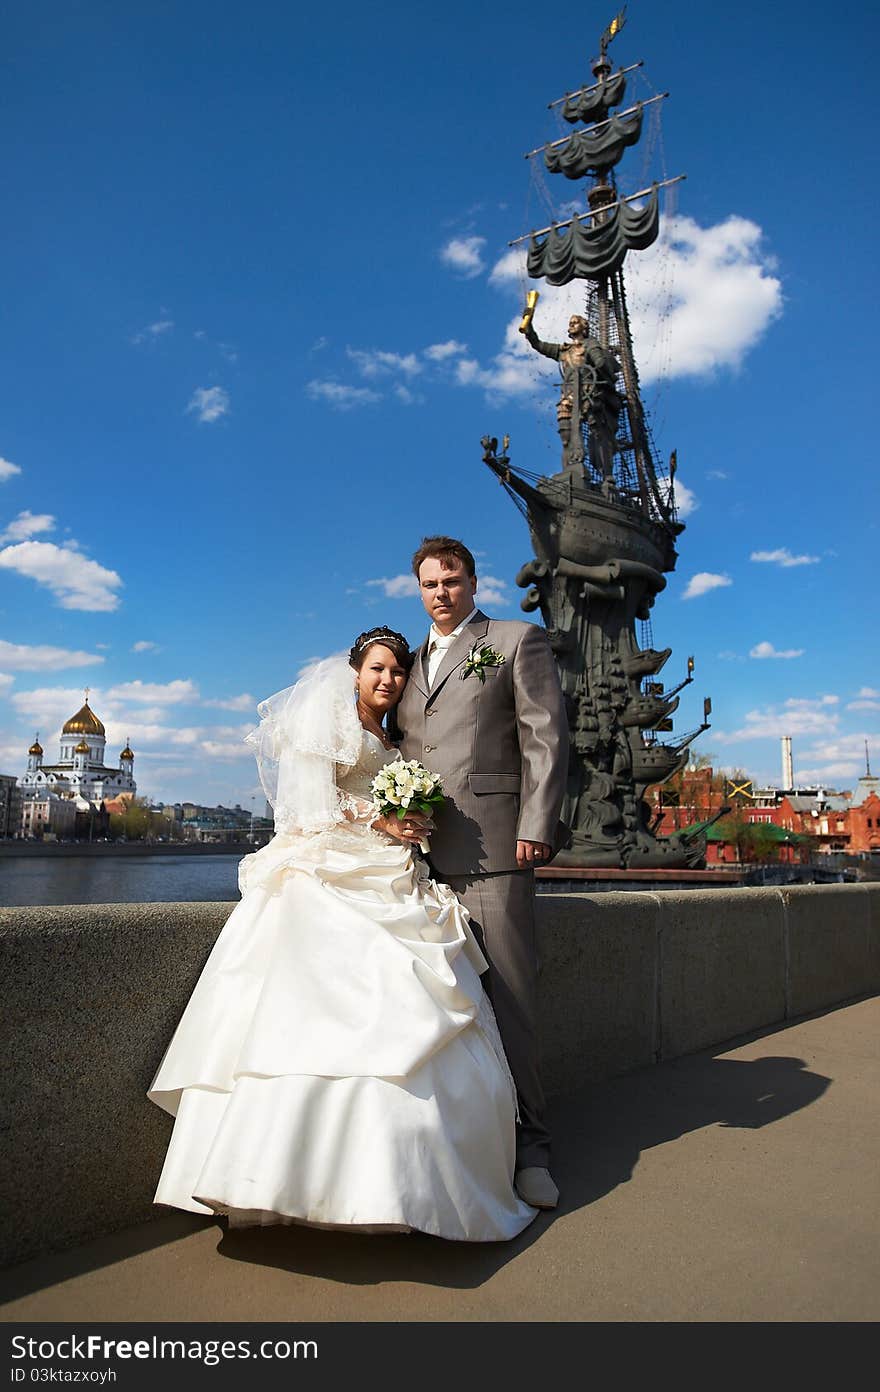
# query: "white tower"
{"points": [[80, 757], [787, 768], [126, 762], [35, 755]]}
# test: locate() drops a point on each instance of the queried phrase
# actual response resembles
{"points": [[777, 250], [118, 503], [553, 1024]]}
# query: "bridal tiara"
{"points": [[370, 638]]}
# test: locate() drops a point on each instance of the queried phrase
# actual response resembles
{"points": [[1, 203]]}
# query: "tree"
{"points": [[134, 823]]}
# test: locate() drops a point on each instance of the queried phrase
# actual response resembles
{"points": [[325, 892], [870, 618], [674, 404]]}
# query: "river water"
{"points": [[117, 879]]}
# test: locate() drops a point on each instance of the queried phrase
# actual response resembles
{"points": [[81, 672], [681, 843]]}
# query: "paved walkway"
{"points": [[735, 1185]]}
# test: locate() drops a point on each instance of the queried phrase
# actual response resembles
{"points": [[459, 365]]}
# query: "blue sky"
{"points": [[258, 309]]}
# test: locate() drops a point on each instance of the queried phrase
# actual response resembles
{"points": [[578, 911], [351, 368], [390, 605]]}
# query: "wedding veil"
{"points": [[304, 732]]}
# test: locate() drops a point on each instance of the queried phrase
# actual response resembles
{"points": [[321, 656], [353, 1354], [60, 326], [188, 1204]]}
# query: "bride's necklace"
{"points": [[370, 723]]}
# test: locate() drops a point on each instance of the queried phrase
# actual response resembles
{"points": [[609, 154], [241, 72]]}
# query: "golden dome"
{"points": [[127, 752], [36, 748], [81, 748], [85, 722]]}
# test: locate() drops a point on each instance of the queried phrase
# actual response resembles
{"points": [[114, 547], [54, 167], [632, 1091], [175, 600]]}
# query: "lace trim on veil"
{"points": [[305, 731]]}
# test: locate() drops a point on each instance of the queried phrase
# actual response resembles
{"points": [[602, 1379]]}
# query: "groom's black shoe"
{"points": [[535, 1185]]}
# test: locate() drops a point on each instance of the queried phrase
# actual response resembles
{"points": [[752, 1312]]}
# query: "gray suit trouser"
{"points": [[502, 910]]}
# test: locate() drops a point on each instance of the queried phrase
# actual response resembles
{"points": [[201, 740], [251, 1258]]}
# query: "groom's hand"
{"points": [[530, 853]]}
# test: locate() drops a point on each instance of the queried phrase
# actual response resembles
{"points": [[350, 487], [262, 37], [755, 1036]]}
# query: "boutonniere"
{"points": [[478, 659]]}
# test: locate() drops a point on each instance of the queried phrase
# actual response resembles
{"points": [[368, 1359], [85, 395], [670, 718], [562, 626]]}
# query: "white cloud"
{"points": [[842, 747], [810, 702], [28, 524], [439, 352], [147, 715], [48, 704], [12, 754], [868, 691], [375, 362], [842, 757], [795, 717], [8, 470], [716, 474], [783, 557], [342, 397], [165, 693], [409, 398], [686, 501], [703, 582], [515, 372], [153, 331], [145, 645], [702, 296], [22, 657], [491, 590], [825, 773], [464, 255], [509, 272], [227, 749], [864, 704], [119, 729], [766, 649], [5, 681], [397, 586], [244, 702], [209, 403], [77, 582]]}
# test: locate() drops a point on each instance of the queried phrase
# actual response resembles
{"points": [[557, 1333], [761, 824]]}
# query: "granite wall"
{"points": [[90, 996]]}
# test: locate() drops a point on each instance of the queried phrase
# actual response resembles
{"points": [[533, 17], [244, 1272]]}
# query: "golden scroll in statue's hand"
{"points": [[531, 300]]}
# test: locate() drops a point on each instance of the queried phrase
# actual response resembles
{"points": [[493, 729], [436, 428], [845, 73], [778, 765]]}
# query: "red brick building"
{"points": [[864, 825], [806, 822]]}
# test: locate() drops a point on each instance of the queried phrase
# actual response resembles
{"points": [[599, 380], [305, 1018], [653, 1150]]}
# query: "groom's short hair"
{"points": [[446, 549]]}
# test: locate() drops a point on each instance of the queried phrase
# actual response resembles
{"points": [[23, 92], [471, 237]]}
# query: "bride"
{"points": [[338, 1062]]}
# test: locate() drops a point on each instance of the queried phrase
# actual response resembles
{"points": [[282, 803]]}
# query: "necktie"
{"points": [[436, 652]]}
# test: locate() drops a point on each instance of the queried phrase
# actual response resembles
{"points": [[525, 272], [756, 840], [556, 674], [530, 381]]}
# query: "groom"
{"points": [[484, 709]]}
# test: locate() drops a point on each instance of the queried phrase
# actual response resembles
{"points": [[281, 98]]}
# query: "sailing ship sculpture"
{"points": [[604, 527]]}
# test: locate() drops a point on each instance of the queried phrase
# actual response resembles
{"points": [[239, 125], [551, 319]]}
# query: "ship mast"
{"points": [[603, 528], [616, 446]]}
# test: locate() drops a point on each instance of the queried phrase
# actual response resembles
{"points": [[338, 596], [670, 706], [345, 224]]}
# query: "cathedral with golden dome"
{"points": [[80, 771]]}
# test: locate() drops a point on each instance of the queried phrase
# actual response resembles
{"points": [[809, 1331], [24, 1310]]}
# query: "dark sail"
{"points": [[593, 104], [590, 150], [583, 252]]}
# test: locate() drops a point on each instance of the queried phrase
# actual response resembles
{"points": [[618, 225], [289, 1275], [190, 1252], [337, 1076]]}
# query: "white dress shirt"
{"points": [[438, 643]]}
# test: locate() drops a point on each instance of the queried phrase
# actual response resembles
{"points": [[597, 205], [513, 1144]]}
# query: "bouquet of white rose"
{"points": [[404, 787]]}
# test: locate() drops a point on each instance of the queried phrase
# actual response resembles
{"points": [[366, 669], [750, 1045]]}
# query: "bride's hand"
{"points": [[410, 829]]}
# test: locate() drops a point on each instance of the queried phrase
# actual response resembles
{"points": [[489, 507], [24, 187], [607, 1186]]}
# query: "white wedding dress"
{"points": [[338, 1062]]}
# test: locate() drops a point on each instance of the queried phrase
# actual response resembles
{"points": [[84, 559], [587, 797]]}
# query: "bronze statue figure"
{"points": [[587, 396]]}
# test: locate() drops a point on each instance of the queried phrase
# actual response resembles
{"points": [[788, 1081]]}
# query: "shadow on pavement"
{"points": [[41, 1272], [599, 1134]]}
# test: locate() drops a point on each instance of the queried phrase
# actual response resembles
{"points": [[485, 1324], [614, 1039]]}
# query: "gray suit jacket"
{"points": [[501, 747]]}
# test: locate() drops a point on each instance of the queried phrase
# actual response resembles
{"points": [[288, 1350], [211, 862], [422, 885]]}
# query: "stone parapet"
{"points": [[90, 996]]}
